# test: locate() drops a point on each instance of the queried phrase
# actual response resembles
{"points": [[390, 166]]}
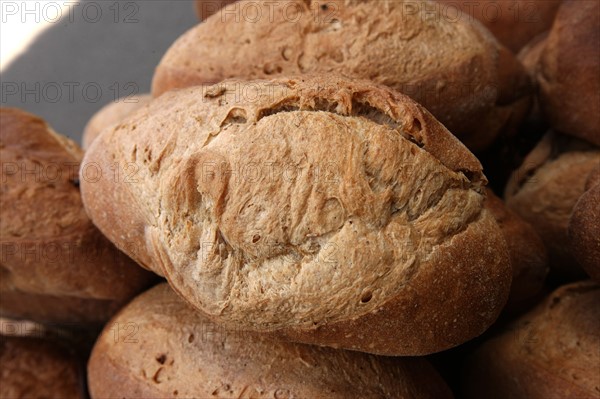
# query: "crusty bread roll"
{"points": [[569, 71], [206, 8], [513, 22], [320, 209], [164, 349], [38, 368], [456, 69], [56, 266], [544, 190], [528, 255], [551, 352], [110, 114], [584, 227]]}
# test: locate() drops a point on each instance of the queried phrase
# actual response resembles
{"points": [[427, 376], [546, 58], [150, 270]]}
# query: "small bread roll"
{"points": [[528, 255], [164, 349], [513, 22], [38, 368], [454, 68], [544, 190], [320, 209], [569, 71], [56, 266], [206, 8], [584, 227], [550, 352], [110, 114]]}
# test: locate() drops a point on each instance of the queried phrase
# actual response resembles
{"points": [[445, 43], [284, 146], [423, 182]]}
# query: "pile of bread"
{"points": [[304, 207]]}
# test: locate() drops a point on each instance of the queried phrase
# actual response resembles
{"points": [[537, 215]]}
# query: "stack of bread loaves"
{"points": [[305, 177]]}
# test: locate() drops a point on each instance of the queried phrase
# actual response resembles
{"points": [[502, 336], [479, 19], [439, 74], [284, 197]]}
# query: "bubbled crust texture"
{"points": [[322, 210], [50, 248], [513, 22], [569, 72], [584, 227], [528, 255], [544, 190], [35, 368], [456, 69], [551, 352], [175, 352], [111, 114]]}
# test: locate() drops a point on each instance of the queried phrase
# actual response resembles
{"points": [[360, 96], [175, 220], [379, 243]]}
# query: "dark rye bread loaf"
{"points": [[110, 114], [55, 265], [513, 22], [174, 352], [38, 368], [544, 190], [550, 352], [455, 69], [584, 227], [569, 71], [324, 210]]}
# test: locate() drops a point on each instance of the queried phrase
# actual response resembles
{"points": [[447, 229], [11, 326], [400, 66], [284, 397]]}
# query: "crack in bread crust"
{"points": [[318, 206], [391, 231]]}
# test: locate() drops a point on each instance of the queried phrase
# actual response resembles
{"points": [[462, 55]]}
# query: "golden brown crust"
{"points": [[456, 69], [380, 201], [514, 23], [206, 8], [528, 255], [544, 190], [50, 248], [36, 368], [551, 352], [428, 315], [584, 227], [166, 349], [569, 72], [111, 114]]}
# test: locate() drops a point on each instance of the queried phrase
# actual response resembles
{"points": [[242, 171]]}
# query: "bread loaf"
{"points": [[56, 266], [551, 352], [455, 68], [528, 255], [544, 190], [569, 71], [320, 209], [110, 114], [584, 227], [38, 368], [165, 349], [513, 22]]}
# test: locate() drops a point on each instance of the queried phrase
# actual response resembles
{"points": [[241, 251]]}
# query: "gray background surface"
{"points": [[104, 50]]}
